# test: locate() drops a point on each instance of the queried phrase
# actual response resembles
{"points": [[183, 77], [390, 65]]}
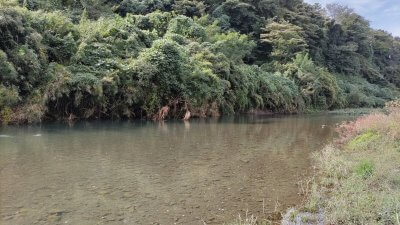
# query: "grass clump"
{"points": [[365, 169]]}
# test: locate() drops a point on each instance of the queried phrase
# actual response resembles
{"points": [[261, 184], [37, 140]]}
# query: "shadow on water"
{"points": [[141, 172]]}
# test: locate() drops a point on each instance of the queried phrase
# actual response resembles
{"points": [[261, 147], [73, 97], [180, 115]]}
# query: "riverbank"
{"points": [[358, 176]]}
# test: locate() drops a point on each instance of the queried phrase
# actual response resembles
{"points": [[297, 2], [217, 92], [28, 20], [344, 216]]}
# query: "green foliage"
{"points": [[154, 22], [312, 21], [7, 69], [143, 6], [186, 27], [205, 84], [233, 45], [21, 52], [286, 40], [359, 92], [317, 85], [130, 58], [8, 96], [59, 34], [190, 8], [238, 15], [251, 88], [8, 3], [162, 69]]}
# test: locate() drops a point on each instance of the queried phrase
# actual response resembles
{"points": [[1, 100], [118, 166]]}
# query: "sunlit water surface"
{"points": [[202, 172]]}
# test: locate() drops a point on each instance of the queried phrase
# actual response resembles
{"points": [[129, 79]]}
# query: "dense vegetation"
{"points": [[158, 58]]}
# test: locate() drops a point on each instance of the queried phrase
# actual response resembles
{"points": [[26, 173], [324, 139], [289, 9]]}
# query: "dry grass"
{"points": [[247, 220]]}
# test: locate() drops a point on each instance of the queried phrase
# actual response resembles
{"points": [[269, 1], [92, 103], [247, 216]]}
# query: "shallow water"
{"points": [[202, 172]]}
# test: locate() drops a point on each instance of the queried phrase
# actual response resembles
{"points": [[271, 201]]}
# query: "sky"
{"points": [[382, 14]]}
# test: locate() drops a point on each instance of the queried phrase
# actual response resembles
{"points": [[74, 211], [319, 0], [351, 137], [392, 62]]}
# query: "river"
{"points": [[199, 172]]}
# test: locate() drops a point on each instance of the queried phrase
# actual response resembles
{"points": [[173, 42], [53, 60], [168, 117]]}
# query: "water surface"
{"points": [[202, 172]]}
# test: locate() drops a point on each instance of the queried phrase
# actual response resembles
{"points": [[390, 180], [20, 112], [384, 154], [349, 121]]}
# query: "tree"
{"points": [[286, 39], [189, 8], [338, 12], [143, 6], [238, 15]]}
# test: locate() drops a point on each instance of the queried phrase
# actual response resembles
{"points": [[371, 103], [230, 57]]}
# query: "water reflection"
{"points": [[148, 173]]}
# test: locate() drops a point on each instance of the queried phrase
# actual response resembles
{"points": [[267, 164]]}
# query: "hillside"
{"points": [[108, 59]]}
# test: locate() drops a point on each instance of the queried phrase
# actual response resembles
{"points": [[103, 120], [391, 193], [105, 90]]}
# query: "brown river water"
{"points": [[143, 173]]}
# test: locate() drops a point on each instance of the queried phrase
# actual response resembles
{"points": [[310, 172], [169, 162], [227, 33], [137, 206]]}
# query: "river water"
{"points": [[142, 173]]}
